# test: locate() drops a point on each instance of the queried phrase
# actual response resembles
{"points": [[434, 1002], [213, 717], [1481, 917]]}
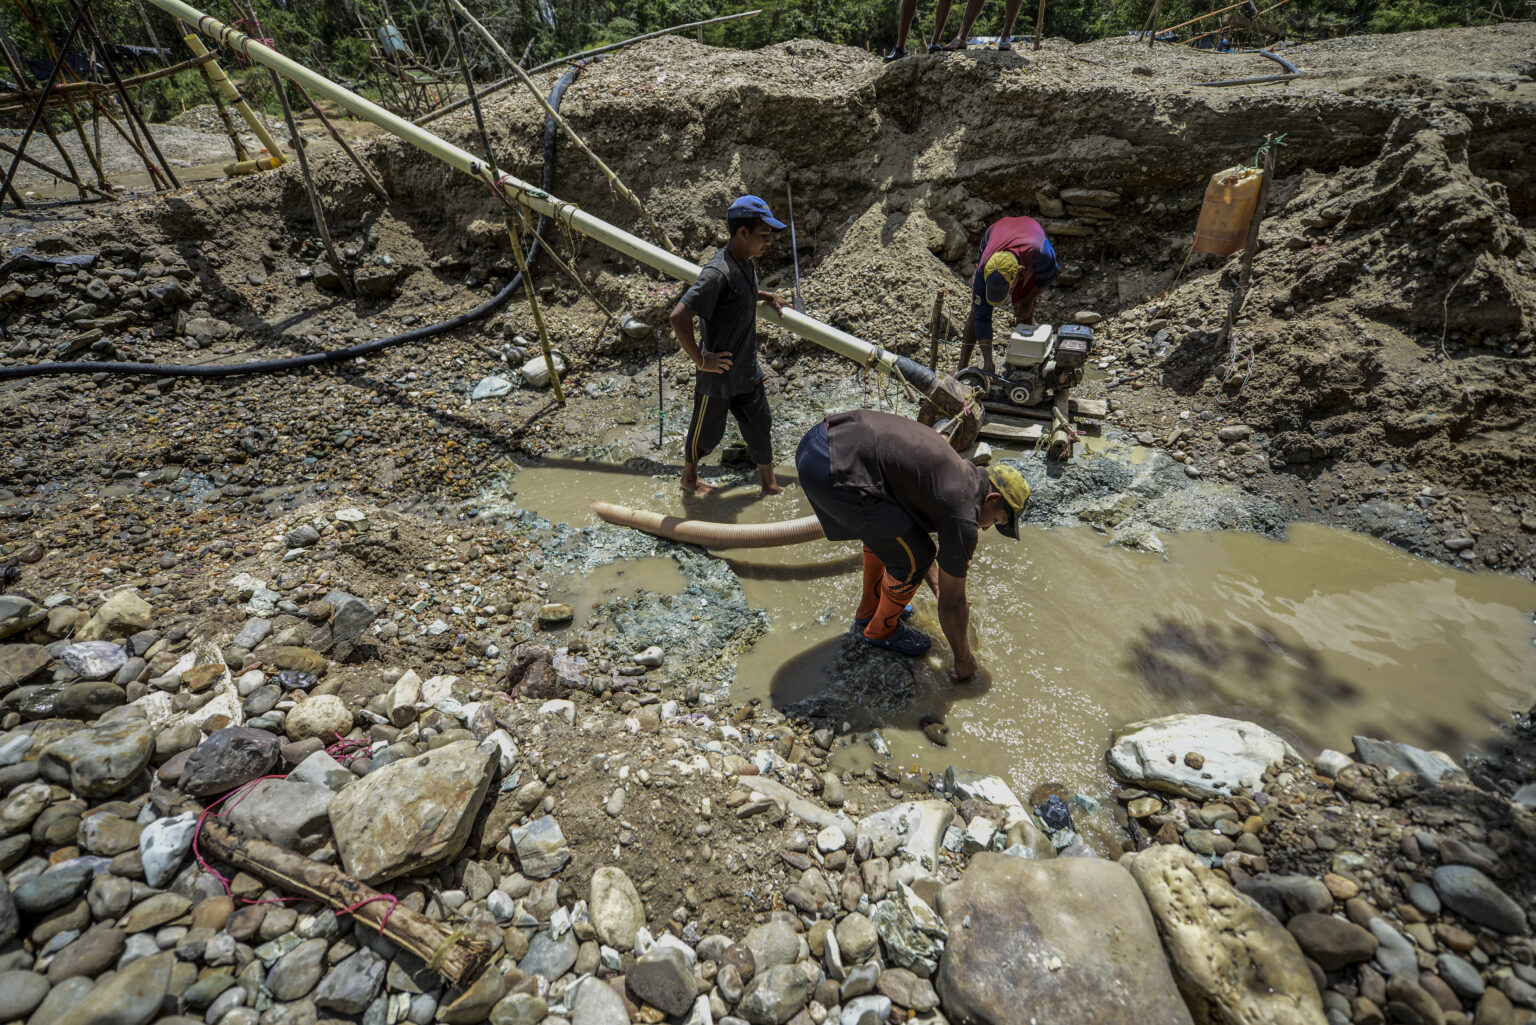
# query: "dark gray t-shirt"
{"points": [[725, 298]]}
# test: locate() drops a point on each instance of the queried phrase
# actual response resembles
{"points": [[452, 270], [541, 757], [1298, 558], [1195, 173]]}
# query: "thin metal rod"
{"points": [[37, 111], [496, 87], [507, 215]]}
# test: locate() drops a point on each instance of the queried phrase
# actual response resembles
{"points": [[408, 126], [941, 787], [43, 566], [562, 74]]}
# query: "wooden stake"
{"points": [[373, 179], [1249, 245], [1039, 24], [456, 955]]}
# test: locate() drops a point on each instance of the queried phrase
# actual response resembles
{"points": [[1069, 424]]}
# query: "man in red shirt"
{"points": [[1017, 264]]}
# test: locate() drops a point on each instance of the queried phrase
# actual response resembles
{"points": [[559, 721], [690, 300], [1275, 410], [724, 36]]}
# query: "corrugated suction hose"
{"points": [[713, 535]]}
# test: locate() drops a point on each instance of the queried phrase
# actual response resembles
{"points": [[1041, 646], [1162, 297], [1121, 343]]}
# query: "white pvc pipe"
{"points": [[825, 335]]}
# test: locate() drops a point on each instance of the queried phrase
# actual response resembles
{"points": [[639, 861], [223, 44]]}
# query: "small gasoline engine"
{"points": [[1040, 360]]}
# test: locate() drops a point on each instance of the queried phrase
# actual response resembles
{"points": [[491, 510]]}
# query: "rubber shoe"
{"points": [[896, 54], [905, 641], [861, 623]]}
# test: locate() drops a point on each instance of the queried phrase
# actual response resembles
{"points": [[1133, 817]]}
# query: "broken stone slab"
{"points": [[913, 935], [1090, 197], [1431, 766], [1234, 754], [1070, 939], [411, 815], [541, 848], [95, 660], [916, 828], [158, 706], [1232, 960], [402, 699], [341, 635]]}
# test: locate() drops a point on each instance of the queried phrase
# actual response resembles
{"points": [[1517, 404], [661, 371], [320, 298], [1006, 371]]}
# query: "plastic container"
{"points": [[1230, 199]]}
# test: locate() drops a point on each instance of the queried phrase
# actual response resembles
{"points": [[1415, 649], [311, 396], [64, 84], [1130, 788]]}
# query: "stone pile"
{"points": [[630, 857], [1407, 888]]}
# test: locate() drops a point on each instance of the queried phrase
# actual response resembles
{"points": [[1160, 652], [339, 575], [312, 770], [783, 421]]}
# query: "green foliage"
{"points": [[332, 36]]}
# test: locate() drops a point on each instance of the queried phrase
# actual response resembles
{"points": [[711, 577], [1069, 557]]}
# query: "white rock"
{"points": [[506, 749], [1330, 763], [163, 844], [352, 519], [561, 707], [982, 456], [650, 657], [536, 373], [437, 688], [831, 839], [491, 388], [1235, 753]]}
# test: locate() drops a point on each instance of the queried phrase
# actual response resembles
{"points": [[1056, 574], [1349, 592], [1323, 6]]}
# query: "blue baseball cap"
{"points": [[752, 206]]}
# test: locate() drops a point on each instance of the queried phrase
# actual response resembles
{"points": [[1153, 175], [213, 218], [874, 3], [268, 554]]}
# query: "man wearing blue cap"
{"points": [[724, 298], [1017, 264]]}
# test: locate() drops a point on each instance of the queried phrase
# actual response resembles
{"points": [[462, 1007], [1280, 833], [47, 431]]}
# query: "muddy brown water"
{"points": [[1319, 637]]}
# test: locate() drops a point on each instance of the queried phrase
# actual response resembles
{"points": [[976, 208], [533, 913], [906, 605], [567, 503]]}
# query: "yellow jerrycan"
{"points": [[1230, 199]]}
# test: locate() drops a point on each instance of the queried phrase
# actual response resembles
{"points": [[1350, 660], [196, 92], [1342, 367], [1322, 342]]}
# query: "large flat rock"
{"points": [[411, 815], [1233, 961], [1067, 940], [1232, 754]]}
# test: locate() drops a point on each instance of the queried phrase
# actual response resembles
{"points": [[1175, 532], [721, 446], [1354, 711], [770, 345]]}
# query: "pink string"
{"points": [[239, 794]]}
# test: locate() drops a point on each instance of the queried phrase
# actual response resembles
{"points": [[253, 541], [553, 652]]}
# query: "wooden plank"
{"points": [[1007, 432], [1090, 409]]}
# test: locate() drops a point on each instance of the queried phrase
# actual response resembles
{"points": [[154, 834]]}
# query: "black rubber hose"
{"points": [[338, 355], [1291, 71]]}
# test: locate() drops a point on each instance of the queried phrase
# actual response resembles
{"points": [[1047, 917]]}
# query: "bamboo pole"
{"points": [[1151, 26], [7, 148], [456, 955], [74, 114], [14, 64], [37, 112], [1039, 24], [934, 327], [64, 90], [1211, 14], [573, 217], [551, 112], [232, 94], [1215, 31], [496, 87], [130, 110]]}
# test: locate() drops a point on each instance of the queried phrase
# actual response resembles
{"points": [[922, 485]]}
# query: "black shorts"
{"points": [[903, 548], [707, 425]]}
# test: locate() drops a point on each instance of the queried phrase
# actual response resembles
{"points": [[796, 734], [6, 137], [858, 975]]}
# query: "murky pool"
{"points": [[1319, 637]]}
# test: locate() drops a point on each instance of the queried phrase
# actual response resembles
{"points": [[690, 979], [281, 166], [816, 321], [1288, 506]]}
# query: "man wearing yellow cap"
{"points": [[1017, 264], [891, 482]]}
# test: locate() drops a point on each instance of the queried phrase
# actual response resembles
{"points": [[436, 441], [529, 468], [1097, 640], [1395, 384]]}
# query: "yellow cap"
{"points": [[1009, 483], [1000, 273]]}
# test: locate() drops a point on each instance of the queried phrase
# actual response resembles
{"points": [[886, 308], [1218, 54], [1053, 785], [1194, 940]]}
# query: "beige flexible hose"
{"points": [[713, 535]]}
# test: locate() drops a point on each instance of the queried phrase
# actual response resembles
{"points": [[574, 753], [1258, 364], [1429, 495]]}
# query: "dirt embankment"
{"points": [[1384, 357]]}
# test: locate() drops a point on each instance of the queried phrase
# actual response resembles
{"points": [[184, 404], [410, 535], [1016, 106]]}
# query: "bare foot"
{"points": [[697, 487], [769, 481]]}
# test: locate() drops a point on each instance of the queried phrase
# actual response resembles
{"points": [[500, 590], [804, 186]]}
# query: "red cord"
{"points": [[239, 794]]}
